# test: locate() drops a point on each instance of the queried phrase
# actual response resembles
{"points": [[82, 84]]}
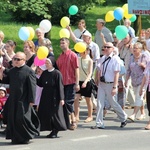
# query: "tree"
{"points": [[36, 10]]}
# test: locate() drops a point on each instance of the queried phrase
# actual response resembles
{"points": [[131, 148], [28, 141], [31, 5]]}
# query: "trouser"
{"points": [[130, 94], [104, 90], [148, 101]]}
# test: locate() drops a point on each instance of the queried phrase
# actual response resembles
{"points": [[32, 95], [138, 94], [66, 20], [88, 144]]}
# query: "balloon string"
{"points": [[119, 22]]}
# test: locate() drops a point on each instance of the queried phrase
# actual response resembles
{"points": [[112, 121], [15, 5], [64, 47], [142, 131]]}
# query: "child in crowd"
{"points": [[3, 98], [39, 71]]}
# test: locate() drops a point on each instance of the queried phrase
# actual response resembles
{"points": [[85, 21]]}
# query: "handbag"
{"points": [[92, 82]]}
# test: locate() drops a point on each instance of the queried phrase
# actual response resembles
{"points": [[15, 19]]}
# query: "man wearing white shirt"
{"points": [[108, 75]]}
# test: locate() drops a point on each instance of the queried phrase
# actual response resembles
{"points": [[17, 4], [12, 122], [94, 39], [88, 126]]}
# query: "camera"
{"points": [[102, 79]]}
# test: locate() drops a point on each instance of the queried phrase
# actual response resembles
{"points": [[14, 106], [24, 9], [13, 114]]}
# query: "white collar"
{"points": [[51, 70]]}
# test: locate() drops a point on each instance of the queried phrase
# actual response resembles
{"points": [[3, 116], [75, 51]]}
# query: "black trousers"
{"points": [[148, 101]]}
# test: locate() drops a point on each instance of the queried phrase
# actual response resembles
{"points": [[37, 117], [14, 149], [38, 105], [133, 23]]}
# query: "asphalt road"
{"points": [[132, 137]]}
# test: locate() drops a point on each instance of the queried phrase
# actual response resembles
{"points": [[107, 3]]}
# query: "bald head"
{"points": [[21, 55], [19, 59]]}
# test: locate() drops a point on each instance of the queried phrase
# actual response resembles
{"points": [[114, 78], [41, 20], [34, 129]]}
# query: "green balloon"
{"points": [[121, 32], [73, 10], [133, 18]]}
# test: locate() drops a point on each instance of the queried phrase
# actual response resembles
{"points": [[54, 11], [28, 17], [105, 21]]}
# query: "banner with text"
{"points": [[139, 7]]}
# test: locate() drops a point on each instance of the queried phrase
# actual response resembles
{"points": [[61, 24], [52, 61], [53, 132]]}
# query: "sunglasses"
{"points": [[107, 47], [17, 59]]}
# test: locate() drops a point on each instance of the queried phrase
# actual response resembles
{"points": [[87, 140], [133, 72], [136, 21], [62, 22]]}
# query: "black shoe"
{"points": [[96, 127], [123, 124], [53, 134]]}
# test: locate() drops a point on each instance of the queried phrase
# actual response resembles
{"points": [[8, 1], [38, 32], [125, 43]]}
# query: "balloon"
{"points": [[125, 7], [109, 16], [127, 15], [73, 10], [118, 13], [39, 62], [80, 47], [32, 33], [65, 21], [42, 52], [45, 25], [24, 33], [121, 32], [133, 18], [64, 33]]}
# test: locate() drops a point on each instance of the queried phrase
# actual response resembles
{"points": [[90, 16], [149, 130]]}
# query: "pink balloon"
{"points": [[39, 62]]}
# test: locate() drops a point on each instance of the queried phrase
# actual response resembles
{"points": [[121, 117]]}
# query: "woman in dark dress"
{"points": [[50, 110], [29, 50]]}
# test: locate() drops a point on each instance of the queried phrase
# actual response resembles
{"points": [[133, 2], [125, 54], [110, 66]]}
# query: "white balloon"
{"points": [[45, 25]]}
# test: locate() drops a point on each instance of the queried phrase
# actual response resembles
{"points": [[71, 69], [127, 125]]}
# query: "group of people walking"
{"points": [[120, 70]]}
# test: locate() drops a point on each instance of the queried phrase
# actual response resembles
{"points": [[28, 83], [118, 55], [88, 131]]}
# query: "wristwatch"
{"points": [[114, 87]]}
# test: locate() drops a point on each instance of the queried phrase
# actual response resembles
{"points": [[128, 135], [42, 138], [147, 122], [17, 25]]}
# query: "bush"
{"points": [[29, 11]]}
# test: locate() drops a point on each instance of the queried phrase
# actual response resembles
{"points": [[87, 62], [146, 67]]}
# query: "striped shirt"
{"points": [[67, 64]]}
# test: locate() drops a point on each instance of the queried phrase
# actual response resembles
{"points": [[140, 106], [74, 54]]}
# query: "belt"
{"points": [[108, 82]]}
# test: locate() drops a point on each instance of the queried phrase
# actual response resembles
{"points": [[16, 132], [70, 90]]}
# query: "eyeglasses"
{"points": [[107, 47], [114, 36], [17, 59]]}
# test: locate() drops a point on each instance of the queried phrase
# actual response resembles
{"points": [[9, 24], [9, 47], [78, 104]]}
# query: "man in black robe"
{"points": [[22, 122]]}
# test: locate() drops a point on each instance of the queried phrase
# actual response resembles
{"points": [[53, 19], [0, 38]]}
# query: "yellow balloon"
{"points": [[125, 7], [32, 33], [64, 33], [65, 21], [42, 52], [109, 16], [127, 15], [80, 47]]}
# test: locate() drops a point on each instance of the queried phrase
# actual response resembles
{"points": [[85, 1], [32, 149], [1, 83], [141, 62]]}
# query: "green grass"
{"points": [[11, 28]]}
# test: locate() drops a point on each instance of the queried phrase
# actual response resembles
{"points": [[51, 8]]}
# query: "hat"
{"points": [[43, 67], [87, 33], [51, 59], [3, 89], [101, 21]]}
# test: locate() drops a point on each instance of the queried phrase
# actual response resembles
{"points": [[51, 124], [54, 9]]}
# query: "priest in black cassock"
{"points": [[22, 122], [51, 110]]}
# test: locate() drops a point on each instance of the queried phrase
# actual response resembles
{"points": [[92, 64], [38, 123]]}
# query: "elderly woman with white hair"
{"points": [[42, 41], [135, 70]]}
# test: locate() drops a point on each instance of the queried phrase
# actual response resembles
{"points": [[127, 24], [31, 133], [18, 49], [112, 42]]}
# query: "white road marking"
{"points": [[89, 138]]}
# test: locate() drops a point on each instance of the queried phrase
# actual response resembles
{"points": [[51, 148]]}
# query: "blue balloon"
{"points": [[24, 33], [118, 13]]}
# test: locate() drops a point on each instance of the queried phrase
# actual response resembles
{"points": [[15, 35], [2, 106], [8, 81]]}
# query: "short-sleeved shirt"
{"points": [[67, 64], [78, 33], [147, 74], [107, 35], [111, 65], [131, 32], [135, 71], [148, 44]]}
